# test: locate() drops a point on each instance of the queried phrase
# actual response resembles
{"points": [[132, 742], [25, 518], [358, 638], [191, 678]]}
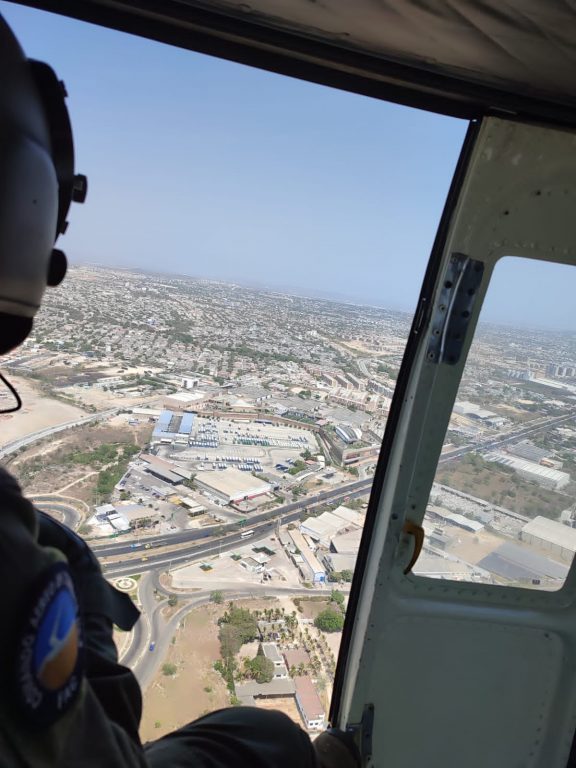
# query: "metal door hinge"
{"points": [[362, 734], [453, 309]]}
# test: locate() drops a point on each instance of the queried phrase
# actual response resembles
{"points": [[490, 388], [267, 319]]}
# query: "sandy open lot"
{"points": [[286, 704], [171, 702], [38, 412]]}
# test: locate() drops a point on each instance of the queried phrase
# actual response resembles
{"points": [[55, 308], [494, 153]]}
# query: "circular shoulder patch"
{"points": [[49, 652]]}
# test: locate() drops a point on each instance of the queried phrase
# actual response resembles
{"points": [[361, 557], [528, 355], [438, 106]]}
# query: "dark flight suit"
{"points": [[64, 699]]}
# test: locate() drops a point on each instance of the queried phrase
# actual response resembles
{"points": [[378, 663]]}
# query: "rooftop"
{"points": [[514, 562], [347, 543], [234, 483], [549, 530], [310, 703], [306, 553], [282, 687], [270, 650]]}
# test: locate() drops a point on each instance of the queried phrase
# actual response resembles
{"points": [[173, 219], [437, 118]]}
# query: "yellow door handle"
{"points": [[417, 532]]}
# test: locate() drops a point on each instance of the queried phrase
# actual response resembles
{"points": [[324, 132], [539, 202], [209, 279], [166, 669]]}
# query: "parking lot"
{"points": [[251, 446]]}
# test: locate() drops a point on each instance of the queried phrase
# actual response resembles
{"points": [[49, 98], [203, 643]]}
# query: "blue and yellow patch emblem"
{"points": [[49, 654]]}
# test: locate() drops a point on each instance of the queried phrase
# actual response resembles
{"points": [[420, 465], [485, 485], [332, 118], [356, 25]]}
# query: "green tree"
{"points": [[261, 669], [337, 597], [169, 669], [347, 575], [217, 597], [172, 601], [237, 626], [329, 620], [335, 576]]}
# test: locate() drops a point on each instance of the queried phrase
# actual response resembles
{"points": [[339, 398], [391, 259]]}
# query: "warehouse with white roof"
{"points": [[544, 476], [554, 537], [326, 526], [232, 485]]}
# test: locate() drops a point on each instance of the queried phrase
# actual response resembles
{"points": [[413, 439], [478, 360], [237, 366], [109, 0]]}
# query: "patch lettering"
{"points": [[49, 652]]}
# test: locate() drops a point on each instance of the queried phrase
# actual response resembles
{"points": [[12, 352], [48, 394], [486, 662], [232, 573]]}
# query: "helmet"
{"points": [[37, 185]]}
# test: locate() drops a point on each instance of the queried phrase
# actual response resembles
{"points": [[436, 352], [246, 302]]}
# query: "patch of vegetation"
{"points": [[260, 668], [341, 576], [217, 596], [237, 626], [298, 466], [329, 620], [501, 486], [337, 597], [169, 669]]}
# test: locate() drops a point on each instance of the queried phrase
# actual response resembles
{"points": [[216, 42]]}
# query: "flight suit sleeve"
{"points": [[97, 722]]}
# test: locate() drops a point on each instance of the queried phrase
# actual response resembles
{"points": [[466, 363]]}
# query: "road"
{"points": [[65, 512], [152, 627], [195, 551], [501, 440], [22, 442], [262, 523], [335, 494]]}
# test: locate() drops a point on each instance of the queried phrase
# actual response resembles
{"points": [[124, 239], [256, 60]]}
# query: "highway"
{"points": [[335, 494], [150, 561], [152, 627], [263, 522], [501, 440]]}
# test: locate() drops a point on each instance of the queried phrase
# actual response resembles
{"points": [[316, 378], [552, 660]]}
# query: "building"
{"points": [[184, 401], [527, 450], [325, 527], [336, 563], [310, 566], [119, 522], [119, 517], [514, 563], [309, 704], [154, 461], [348, 434], [477, 413], [349, 516], [173, 427], [347, 543], [270, 650], [231, 485], [453, 518], [192, 506], [536, 473], [556, 538], [248, 692]]}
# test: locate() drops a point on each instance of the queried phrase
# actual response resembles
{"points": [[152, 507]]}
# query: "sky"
{"points": [[204, 167]]}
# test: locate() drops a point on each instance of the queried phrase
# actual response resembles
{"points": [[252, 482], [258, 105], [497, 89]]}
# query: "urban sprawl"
{"points": [[216, 445]]}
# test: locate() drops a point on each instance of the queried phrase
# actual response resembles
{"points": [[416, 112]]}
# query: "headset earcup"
{"points": [[57, 268], [13, 331]]}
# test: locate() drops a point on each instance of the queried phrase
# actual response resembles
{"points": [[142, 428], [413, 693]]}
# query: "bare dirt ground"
{"points": [[311, 608], [38, 412], [473, 547], [171, 702], [286, 704]]}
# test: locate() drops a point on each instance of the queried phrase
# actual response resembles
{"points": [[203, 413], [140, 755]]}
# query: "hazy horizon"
{"points": [[227, 172]]}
